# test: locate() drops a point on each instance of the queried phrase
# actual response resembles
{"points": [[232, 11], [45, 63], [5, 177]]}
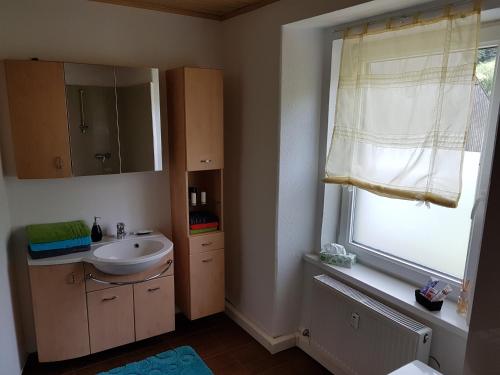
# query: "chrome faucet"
{"points": [[120, 230]]}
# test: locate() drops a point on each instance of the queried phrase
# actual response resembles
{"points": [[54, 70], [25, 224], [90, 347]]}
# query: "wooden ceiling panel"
{"points": [[213, 9]]}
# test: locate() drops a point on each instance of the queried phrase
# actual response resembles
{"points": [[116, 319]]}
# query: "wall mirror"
{"points": [[114, 119]]}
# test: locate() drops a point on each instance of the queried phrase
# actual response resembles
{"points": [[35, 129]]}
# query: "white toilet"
{"points": [[415, 368]]}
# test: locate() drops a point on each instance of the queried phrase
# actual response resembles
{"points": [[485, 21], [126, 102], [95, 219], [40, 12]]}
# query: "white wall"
{"points": [[91, 32], [302, 59], [483, 343], [252, 56], [261, 264], [10, 358]]}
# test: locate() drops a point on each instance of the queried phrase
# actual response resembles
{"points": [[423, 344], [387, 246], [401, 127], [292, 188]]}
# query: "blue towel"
{"points": [[60, 245]]}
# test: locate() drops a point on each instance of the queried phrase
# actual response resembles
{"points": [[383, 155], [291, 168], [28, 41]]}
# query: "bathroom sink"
{"points": [[130, 255]]}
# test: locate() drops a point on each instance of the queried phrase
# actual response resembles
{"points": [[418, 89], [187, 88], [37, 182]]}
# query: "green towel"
{"points": [[41, 233], [206, 230]]}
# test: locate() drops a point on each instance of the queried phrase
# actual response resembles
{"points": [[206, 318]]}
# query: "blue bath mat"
{"points": [[179, 361]]}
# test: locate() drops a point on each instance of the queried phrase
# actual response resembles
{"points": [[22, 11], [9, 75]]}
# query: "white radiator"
{"points": [[356, 334]]}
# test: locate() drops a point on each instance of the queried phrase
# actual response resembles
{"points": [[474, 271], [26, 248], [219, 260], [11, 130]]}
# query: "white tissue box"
{"points": [[338, 259]]}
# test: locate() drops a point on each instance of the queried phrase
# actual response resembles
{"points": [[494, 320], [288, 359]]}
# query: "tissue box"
{"points": [[338, 259]]}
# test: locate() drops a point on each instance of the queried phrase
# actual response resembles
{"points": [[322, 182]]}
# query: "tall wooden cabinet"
{"points": [[195, 117], [37, 106]]}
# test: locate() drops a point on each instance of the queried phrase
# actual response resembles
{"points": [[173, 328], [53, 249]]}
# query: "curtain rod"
{"points": [[405, 14]]}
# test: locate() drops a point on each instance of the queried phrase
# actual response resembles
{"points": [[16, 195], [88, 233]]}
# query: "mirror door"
{"points": [[114, 119]]}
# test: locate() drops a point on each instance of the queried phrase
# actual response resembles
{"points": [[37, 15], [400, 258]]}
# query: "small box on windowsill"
{"points": [[429, 305]]}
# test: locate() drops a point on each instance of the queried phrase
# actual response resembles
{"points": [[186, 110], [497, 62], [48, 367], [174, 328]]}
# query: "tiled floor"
{"points": [[224, 346]]}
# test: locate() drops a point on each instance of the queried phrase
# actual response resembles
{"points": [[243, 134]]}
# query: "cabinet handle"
{"points": [[72, 279], [206, 161], [153, 289], [59, 162], [207, 260], [109, 298], [206, 244]]}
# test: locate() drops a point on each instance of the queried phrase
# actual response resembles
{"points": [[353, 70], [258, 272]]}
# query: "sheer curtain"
{"points": [[403, 109]]}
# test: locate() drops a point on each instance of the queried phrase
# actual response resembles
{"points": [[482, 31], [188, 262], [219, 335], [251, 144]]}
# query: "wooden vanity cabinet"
{"points": [[75, 316], [195, 118], [38, 116], [60, 311]]}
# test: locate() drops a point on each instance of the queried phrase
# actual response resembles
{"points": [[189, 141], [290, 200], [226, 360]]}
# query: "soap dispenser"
{"points": [[96, 234]]}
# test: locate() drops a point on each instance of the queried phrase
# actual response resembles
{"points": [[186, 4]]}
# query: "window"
{"points": [[414, 241]]}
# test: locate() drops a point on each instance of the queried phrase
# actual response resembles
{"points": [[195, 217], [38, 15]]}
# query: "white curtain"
{"points": [[403, 109]]}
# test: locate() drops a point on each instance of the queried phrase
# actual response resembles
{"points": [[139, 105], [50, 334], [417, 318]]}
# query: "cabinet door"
{"points": [[154, 307], [206, 242], [207, 283], [60, 311], [37, 103], [204, 119], [111, 317]]}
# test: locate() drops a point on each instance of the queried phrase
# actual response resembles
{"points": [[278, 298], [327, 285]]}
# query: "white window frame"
{"points": [[404, 269]]}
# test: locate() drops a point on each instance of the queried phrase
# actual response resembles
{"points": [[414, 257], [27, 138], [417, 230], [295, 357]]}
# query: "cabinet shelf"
{"points": [[209, 181]]}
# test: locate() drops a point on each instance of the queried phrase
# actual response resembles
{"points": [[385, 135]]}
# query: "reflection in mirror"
{"points": [[114, 119], [137, 95], [91, 103]]}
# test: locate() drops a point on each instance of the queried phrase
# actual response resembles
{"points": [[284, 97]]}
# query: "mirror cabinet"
{"points": [[71, 119]]}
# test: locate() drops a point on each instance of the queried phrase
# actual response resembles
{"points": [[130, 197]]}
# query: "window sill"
{"points": [[396, 292]]}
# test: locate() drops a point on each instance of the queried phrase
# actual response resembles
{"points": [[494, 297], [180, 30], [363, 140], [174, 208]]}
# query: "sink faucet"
{"points": [[120, 231]]}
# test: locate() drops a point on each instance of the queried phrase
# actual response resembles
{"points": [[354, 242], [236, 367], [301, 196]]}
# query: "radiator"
{"points": [[359, 335]]}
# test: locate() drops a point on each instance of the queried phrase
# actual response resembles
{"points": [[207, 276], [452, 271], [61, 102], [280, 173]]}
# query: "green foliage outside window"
{"points": [[485, 68]]}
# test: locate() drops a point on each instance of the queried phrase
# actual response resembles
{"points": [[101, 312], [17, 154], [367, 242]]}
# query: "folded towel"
{"points": [[202, 217], [41, 233], [61, 245], [204, 226], [54, 253], [206, 230]]}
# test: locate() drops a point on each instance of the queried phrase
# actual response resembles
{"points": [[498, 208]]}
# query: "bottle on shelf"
{"points": [[463, 298], [193, 192]]}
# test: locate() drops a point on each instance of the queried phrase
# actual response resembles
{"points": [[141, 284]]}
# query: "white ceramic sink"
{"points": [[130, 255]]}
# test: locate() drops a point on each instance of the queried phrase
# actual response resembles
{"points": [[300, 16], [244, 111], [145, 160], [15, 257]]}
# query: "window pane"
{"points": [[436, 237]]}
